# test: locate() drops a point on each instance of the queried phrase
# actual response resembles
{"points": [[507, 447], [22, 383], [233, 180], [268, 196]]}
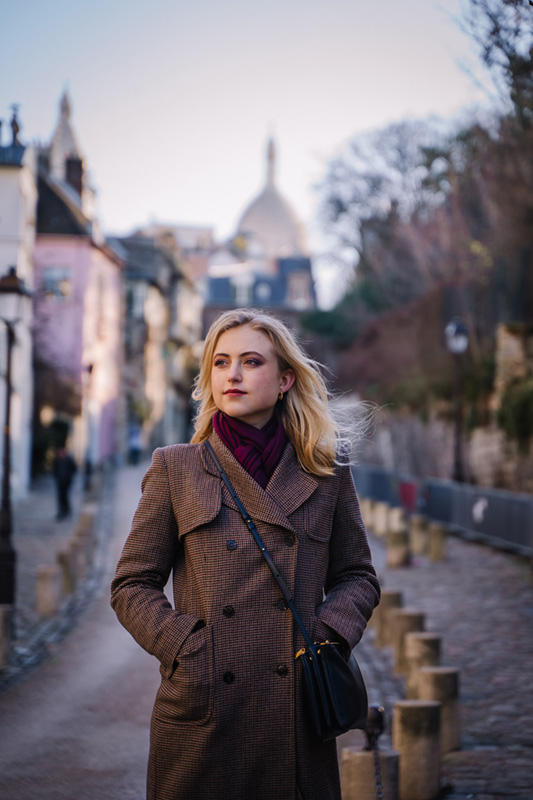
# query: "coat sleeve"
{"points": [[144, 567], [352, 588]]}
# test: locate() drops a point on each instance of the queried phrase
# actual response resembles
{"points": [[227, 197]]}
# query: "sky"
{"points": [[173, 102]]}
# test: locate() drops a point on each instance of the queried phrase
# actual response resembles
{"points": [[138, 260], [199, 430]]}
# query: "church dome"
{"points": [[268, 225]]}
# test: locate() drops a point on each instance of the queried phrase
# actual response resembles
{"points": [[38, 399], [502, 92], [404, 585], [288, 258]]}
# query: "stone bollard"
{"points": [[397, 549], [85, 546], [67, 571], [397, 519], [47, 590], [6, 633], [380, 524], [437, 535], [418, 535], [390, 600], [403, 621], [85, 524], [442, 684], [358, 775], [78, 558], [421, 650], [416, 737], [368, 516]]}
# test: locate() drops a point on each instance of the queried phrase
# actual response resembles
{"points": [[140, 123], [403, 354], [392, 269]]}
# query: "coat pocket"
{"points": [[318, 520], [187, 695]]}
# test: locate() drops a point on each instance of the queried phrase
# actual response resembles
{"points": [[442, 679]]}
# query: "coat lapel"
{"points": [[288, 488]]}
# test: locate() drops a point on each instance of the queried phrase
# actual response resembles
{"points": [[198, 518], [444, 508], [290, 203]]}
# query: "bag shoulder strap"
{"points": [[285, 591]]}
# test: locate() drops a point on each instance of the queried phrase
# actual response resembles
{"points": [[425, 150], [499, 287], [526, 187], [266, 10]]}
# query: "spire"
{"points": [[64, 105], [271, 161], [64, 144]]}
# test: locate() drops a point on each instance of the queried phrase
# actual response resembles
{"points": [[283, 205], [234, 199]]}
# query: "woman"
{"points": [[228, 721]]}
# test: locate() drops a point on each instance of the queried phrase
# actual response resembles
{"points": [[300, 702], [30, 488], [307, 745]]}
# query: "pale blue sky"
{"points": [[173, 102]]}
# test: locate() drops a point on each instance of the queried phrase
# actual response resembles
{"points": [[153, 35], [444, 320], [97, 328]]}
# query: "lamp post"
{"points": [[457, 342], [12, 290]]}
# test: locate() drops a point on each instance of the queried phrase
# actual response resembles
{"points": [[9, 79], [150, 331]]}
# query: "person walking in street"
{"points": [[229, 720], [64, 469]]}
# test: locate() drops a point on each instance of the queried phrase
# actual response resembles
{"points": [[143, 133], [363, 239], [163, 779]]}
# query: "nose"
{"points": [[234, 372]]}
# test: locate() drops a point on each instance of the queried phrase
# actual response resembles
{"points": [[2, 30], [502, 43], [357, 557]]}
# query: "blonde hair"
{"points": [[304, 411]]}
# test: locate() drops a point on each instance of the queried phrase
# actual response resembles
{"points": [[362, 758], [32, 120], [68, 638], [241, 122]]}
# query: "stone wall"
{"points": [[403, 442]]}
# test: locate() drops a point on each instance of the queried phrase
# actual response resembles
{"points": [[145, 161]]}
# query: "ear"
{"points": [[287, 379]]}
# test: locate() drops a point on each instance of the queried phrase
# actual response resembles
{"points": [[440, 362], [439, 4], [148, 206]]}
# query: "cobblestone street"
{"points": [[481, 602], [37, 538]]}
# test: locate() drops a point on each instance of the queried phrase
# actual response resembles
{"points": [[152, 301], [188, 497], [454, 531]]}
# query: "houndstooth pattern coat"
{"points": [[228, 721]]}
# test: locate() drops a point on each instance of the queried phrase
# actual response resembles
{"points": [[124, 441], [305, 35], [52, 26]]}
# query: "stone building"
{"points": [[78, 306], [18, 200], [162, 326], [266, 263]]}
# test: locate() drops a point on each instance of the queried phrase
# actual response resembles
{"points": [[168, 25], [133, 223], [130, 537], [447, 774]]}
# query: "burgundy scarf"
{"points": [[258, 451]]}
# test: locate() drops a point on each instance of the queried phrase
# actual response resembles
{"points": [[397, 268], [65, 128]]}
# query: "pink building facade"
{"points": [[78, 314]]}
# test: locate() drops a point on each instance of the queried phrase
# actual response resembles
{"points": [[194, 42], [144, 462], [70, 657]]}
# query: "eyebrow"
{"points": [[242, 355]]}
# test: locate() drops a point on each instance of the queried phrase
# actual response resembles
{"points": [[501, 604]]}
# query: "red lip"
{"points": [[233, 391]]}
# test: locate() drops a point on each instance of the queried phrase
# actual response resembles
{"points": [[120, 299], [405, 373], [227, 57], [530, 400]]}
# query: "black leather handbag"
{"points": [[334, 688]]}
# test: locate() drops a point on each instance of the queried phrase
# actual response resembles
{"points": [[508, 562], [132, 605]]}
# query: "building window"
{"points": [[57, 284]]}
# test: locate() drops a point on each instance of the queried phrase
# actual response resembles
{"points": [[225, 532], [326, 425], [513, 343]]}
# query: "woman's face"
{"points": [[245, 376]]}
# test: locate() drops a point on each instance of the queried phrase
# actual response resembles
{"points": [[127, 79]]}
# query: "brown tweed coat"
{"points": [[228, 722]]}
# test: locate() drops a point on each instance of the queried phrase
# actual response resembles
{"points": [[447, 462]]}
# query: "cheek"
{"points": [[214, 383], [270, 385]]}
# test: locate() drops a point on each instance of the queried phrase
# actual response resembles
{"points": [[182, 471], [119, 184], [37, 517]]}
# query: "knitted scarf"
{"points": [[258, 451]]}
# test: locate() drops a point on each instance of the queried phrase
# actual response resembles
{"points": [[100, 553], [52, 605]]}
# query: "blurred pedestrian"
{"points": [[135, 444], [228, 721], [64, 469]]}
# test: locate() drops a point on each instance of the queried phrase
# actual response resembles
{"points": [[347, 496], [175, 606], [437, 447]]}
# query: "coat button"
{"points": [[228, 611], [231, 544], [228, 677], [290, 540], [281, 604], [282, 669]]}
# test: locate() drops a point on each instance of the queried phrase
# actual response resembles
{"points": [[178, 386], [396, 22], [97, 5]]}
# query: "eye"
{"points": [[220, 362], [254, 362]]}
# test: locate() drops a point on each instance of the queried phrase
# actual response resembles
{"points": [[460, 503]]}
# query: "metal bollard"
{"points": [[421, 650], [402, 621], [442, 684], [416, 737]]}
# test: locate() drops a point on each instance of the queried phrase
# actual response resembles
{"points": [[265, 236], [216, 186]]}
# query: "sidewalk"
{"points": [[37, 538], [481, 602]]}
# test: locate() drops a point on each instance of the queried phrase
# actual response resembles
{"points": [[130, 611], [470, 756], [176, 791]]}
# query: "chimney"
{"points": [[74, 173]]}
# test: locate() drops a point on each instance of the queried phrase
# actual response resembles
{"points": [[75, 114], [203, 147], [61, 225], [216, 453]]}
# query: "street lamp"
{"points": [[457, 342], [12, 291]]}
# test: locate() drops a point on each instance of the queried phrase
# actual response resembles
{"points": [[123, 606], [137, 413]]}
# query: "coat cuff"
{"points": [[182, 627]]}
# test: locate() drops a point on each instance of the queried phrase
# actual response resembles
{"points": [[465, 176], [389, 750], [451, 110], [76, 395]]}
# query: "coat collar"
{"points": [[288, 488]]}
